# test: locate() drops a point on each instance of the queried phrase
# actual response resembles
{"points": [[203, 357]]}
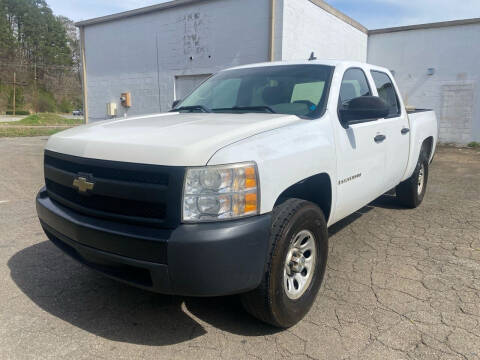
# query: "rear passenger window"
{"points": [[354, 84], [386, 91]]}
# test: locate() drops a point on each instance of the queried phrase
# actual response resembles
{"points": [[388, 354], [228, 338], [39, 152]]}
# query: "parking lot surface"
{"points": [[400, 284]]}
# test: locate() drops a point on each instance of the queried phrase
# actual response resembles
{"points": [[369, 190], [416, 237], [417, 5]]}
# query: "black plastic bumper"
{"points": [[209, 259]]}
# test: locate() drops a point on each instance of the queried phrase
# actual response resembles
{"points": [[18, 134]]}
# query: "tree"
{"points": [[19, 99], [43, 49], [7, 40]]}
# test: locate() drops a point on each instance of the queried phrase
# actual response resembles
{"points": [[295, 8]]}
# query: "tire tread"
{"points": [[257, 301], [407, 191]]}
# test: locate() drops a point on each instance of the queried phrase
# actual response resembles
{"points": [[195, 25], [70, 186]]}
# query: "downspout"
{"points": [[273, 6], [84, 74]]}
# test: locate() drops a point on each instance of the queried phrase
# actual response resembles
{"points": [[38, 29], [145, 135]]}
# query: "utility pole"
{"points": [[14, 83], [35, 92]]}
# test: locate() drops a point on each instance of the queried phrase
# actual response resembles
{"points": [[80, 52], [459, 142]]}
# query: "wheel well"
{"points": [[428, 146], [316, 189]]}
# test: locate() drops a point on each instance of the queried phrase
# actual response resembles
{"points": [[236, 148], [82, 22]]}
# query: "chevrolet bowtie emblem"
{"points": [[82, 184]]}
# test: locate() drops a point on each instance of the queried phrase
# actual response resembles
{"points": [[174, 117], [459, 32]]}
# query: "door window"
{"points": [[354, 84], [386, 91]]}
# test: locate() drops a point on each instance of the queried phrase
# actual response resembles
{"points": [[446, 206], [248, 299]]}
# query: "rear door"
{"points": [[360, 159], [396, 129]]}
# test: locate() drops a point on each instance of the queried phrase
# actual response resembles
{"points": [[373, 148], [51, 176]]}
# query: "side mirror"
{"points": [[363, 109], [175, 103]]}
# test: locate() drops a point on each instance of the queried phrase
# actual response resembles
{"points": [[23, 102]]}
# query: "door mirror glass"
{"points": [[363, 109], [175, 103]]}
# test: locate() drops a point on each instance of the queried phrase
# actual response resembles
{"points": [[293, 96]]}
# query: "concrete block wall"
{"points": [[144, 54], [148, 54], [453, 89]]}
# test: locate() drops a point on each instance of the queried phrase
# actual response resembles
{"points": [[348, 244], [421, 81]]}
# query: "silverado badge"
{"points": [[82, 184]]}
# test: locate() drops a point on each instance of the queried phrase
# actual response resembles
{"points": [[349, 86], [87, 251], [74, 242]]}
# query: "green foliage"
{"points": [[7, 39], [77, 103], [43, 50], [19, 98], [474, 144], [38, 34], [65, 106], [18, 112], [46, 102]]}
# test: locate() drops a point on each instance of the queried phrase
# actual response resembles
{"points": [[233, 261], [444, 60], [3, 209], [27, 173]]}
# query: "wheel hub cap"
{"points": [[299, 264]]}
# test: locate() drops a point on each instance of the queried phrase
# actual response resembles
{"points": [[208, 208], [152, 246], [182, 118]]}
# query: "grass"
{"points": [[12, 131], [45, 119], [37, 125], [474, 145]]}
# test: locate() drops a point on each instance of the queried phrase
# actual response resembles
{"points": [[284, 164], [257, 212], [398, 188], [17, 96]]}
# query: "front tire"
{"points": [[411, 192], [296, 266]]}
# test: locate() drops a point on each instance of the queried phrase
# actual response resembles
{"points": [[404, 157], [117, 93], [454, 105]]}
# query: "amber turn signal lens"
{"points": [[250, 178], [250, 202]]}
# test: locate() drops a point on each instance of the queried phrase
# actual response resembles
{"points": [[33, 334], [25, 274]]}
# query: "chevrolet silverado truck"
{"points": [[232, 192]]}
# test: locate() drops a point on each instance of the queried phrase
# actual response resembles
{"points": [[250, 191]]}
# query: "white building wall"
{"points": [[144, 54], [307, 28], [453, 90]]}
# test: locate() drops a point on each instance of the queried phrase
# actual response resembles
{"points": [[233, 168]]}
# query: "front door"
{"points": [[361, 154]]}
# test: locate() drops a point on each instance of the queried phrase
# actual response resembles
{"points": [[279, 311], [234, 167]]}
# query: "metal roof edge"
{"points": [[130, 13], [175, 3], [426, 26], [331, 10]]}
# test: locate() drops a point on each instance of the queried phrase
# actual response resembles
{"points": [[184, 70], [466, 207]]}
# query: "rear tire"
{"points": [[296, 267], [411, 192]]}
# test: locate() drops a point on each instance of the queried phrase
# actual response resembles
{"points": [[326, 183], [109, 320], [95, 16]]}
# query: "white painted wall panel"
{"points": [[453, 91], [309, 28], [122, 55]]}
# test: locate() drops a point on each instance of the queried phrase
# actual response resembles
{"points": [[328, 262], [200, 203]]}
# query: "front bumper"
{"points": [[209, 259]]}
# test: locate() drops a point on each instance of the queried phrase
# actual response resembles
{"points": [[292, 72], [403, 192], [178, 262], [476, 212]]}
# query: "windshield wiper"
{"points": [[193, 107], [246, 108]]}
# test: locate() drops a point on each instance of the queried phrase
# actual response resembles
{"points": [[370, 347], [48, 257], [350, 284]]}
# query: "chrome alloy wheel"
{"points": [[299, 264], [421, 179]]}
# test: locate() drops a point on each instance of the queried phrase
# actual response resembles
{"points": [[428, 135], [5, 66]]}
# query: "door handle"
{"points": [[379, 138], [405, 131]]}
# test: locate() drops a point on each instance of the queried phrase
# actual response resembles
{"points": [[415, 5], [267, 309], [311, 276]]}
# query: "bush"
{"points": [[46, 102], [77, 103], [474, 144], [19, 98], [18, 112], [65, 106]]}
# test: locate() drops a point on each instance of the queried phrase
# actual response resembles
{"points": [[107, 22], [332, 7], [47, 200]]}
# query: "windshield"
{"points": [[300, 90]]}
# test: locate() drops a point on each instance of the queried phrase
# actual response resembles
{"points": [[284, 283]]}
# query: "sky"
{"points": [[373, 14]]}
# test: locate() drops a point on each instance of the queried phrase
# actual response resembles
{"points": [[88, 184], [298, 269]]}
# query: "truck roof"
{"points": [[335, 63]]}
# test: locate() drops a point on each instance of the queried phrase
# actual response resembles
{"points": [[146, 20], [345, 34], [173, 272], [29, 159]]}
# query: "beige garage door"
{"points": [[185, 84]]}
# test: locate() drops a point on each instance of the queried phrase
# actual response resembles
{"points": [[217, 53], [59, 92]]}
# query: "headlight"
{"points": [[220, 192]]}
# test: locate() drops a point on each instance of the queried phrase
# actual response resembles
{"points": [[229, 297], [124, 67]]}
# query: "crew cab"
{"points": [[232, 192]]}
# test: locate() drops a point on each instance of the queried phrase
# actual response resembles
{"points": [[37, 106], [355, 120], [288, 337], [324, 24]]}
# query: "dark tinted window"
{"points": [[354, 84], [387, 92]]}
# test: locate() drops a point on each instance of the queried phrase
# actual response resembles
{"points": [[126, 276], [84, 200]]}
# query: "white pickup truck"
{"points": [[232, 192]]}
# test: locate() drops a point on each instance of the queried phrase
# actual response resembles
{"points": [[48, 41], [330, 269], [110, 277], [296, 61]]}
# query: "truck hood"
{"points": [[164, 139]]}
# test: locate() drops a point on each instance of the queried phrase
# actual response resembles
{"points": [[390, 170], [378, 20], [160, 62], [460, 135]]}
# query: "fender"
{"points": [[286, 156], [421, 125]]}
